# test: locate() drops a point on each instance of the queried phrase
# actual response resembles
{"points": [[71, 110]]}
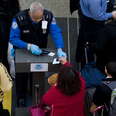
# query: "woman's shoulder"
{"points": [[82, 82], [2, 67], [51, 94], [52, 90]]}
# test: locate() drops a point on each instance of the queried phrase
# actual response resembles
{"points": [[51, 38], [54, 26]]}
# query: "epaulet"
{"points": [[21, 16], [48, 15]]}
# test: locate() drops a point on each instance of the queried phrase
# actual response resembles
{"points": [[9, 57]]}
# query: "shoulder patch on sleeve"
{"points": [[14, 25], [53, 21]]}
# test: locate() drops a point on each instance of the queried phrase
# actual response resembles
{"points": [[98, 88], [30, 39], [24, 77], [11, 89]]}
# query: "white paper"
{"points": [[51, 54]]}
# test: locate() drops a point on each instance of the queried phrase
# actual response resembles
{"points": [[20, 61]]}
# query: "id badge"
{"points": [[44, 24]]}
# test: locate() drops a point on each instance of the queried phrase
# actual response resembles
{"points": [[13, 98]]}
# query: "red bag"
{"points": [[36, 111]]}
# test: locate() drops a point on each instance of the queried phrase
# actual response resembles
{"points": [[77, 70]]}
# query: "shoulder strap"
{"points": [[22, 17], [111, 84], [48, 15]]}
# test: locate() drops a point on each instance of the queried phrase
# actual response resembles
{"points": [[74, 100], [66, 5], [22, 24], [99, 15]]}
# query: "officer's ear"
{"points": [[106, 71]]}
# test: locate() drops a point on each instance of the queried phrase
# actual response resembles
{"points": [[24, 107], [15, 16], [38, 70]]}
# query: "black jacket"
{"points": [[9, 8], [106, 42], [33, 32]]}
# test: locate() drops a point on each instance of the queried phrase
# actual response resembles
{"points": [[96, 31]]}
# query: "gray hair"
{"points": [[36, 6]]}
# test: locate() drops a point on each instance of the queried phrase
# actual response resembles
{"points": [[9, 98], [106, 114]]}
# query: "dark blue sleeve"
{"points": [[15, 37], [56, 34]]}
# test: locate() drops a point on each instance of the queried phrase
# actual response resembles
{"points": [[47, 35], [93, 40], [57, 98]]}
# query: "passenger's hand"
{"points": [[34, 49], [62, 60]]}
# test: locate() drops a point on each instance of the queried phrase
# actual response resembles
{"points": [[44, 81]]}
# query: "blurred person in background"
{"points": [[93, 15], [8, 9]]}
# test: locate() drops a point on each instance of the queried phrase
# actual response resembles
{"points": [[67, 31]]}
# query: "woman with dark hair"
{"points": [[69, 82], [66, 96]]}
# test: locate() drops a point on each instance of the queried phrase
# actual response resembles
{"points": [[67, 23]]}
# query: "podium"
{"points": [[25, 62], [24, 59]]}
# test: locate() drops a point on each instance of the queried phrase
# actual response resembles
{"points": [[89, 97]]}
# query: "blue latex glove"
{"points": [[35, 49], [12, 52], [60, 53]]}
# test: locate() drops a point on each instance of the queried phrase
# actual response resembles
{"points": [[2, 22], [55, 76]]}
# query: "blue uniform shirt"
{"points": [[55, 31], [95, 9]]}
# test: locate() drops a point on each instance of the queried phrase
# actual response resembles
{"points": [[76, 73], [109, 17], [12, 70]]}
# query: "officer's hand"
{"points": [[34, 49], [60, 53]]}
